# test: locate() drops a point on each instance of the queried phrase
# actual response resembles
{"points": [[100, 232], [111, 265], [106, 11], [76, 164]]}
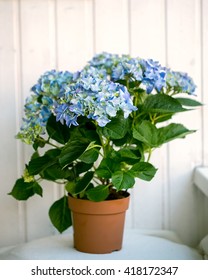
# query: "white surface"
{"points": [[201, 179], [137, 245]]}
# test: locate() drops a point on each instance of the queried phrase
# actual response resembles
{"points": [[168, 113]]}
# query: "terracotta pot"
{"points": [[98, 226]]}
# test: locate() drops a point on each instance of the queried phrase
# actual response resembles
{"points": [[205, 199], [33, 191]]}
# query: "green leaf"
{"points": [[55, 172], [162, 103], [83, 183], [81, 167], [189, 102], [129, 155], [172, 131], [39, 142], [90, 156], [143, 170], [53, 153], [60, 214], [147, 133], [155, 137], [37, 189], [48, 166], [70, 187], [72, 151], [57, 131], [35, 155], [37, 165], [117, 128], [23, 190], [122, 141], [98, 193], [122, 180], [106, 168], [88, 130]]}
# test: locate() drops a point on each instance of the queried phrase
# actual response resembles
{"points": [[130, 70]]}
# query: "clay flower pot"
{"points": [[98, 226]]}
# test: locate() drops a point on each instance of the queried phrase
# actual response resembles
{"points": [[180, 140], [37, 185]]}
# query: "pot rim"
{"points": [[85, 206]]}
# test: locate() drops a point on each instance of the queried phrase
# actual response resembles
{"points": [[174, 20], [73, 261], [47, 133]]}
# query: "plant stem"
{"points": [[149, 154], [105, 145], [51, 144]]}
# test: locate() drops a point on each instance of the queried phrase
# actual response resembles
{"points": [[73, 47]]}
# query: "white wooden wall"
{"points": [[39, 35]]}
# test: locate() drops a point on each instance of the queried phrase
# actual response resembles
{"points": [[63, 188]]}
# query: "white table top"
{"points": [[137, 245]]}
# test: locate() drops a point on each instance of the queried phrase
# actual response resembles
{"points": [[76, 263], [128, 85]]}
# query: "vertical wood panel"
{"points": [[8, 155], [112, 26], [204, 33], [75, 33], [148, 29], [184, 154], [205, 80]]}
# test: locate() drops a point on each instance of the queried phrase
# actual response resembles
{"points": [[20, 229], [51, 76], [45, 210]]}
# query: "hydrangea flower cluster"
{"points": [[154, 76], [180, 82], [39, 106], [52, 83], [98, 91], [36, 116], [105, 61], [148, 73], [95, 97], [127, 68]]}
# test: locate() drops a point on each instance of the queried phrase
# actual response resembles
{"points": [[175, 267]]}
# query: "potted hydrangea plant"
{"points": [[98, 128]]}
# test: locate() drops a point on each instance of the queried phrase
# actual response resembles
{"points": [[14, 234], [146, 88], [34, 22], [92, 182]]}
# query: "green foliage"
{"points": [[117, 128], [162, 104], [154, 137], [146, 133], [72, 151], [81, 185], [143, 170], [23, 190], [72, 161], [123, 180], [100, 193], [60, 214], [39, 164], [107, 167], [96, 144], [188, 102], [57, 131], [171, 132]]}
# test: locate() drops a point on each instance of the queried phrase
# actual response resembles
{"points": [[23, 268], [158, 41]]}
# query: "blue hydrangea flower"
{"points": [[104, 60], [154, 75], [95, 97], [149, 73], [39, 106], [127, 69], [36, 116], [52, 83], [180, 82]]}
